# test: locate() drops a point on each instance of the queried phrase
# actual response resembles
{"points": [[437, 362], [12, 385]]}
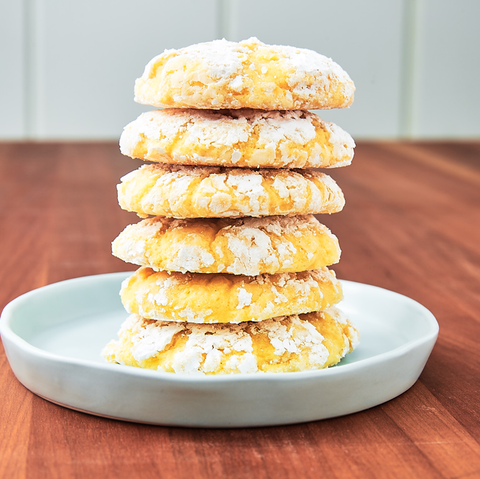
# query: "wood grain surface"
{"points": [[411, 224]]}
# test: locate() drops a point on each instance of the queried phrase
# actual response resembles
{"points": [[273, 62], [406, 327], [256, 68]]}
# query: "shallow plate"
{"points": [[53, 337]]}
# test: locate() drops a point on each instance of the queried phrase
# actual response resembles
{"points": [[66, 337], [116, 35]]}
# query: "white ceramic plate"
{"points": [[53, 337]]}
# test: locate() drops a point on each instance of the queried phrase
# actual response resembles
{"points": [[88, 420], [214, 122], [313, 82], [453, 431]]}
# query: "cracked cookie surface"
{"points": [[211, 192], [287, 344], [249, 74], [227, 298], [241, 138], [247, 246]]}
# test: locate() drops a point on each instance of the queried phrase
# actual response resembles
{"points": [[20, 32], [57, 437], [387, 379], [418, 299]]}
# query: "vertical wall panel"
{"points": [[446, 101], [89, 53], [364, 37], [67, 68], [12, 87]]}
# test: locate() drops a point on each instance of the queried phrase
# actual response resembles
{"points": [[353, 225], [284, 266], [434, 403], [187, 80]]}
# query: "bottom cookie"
{"points": [[285, 344]]}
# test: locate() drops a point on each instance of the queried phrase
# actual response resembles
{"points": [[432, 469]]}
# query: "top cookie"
{"points": [[250, 74]]}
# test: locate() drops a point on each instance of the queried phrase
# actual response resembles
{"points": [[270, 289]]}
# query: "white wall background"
{"points": [[67, 67]]}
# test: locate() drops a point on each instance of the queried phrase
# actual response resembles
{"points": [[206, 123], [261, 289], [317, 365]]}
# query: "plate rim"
{"points": [[7, 333]]}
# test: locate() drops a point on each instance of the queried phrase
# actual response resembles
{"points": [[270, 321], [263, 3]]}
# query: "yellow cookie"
{"points": [[248, 246], [227, 298], [242, 138], [292, 343], [210, 192], [249, 74]]}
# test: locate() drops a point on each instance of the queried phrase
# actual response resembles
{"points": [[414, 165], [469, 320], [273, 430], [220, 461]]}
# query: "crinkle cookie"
{"points": [[210, 192], [242, 138], [250, 74], [247, 246], [227, 298], [292, 343]]}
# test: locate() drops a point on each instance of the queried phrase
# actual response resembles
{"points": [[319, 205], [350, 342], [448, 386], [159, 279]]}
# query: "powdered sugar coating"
{"points": [[250, 74], [242, 138], [248, 246], [292, 343], [209, 192], [225, 298]]}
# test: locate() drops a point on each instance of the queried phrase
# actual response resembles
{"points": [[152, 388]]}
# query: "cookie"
{"points": [[250, 74], [249, 246], [211, 192], [242, 138], [227, 298], [292, 343]]}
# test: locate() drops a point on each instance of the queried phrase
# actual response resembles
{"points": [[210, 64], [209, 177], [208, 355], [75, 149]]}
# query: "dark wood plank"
{"points": [[411, 224]]}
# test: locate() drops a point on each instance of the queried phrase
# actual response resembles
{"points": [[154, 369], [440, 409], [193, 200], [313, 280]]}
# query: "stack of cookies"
{"points": [[233, 273]]}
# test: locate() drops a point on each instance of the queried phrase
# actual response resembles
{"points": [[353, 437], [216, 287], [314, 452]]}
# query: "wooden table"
{"points": [[411, 224]]}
